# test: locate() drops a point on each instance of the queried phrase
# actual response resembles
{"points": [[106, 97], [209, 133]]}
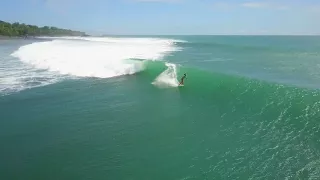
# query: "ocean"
{"points": [[110, 108]]}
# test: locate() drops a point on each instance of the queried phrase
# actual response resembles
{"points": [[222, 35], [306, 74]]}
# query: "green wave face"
{"points": [[241, 94], [252, 118]]}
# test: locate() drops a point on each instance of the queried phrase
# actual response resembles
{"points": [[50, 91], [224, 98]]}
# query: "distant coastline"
{"points": [[17, 30]]}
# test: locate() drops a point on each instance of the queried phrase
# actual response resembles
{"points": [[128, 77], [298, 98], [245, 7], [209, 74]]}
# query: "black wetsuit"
{"points": [[182, 79]]}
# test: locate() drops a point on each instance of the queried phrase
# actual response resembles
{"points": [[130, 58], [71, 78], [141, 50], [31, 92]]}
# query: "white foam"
{"points": [[167, 78], [15, 76], [121, 40], [95, 57], [43, 63]]}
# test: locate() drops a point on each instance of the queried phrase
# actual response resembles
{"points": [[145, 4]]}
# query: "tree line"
{"points": [[23, 30]]}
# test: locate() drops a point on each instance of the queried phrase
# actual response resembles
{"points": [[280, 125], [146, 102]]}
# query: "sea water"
{"points": [[111, 108]]}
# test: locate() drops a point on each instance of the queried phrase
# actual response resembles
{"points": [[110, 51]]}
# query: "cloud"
{"points": [[264, 5], [226, 6]]}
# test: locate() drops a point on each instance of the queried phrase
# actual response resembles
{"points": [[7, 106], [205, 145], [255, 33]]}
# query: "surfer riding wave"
{"points": [[182, 79]]}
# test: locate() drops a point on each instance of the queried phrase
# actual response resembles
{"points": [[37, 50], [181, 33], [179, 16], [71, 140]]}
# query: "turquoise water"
{"points": [[109, 108]]}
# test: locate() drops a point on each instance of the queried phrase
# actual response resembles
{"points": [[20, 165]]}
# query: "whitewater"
{"points": [[167, 78], [54, 59]]}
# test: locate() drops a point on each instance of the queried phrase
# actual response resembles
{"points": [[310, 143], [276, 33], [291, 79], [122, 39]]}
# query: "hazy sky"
{"points": [[169, 16]]}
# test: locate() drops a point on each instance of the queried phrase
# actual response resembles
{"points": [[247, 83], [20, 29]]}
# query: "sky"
{"points": [[169, 17]]}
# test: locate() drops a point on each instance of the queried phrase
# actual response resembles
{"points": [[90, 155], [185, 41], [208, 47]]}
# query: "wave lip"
{"points": [[94, 57]]}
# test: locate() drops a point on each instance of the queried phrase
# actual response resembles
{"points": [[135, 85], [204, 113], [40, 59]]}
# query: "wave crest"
{"points": [[94, 57]]}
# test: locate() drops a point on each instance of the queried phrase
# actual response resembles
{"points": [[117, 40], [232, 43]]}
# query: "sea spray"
{"points": [[167, 78]]}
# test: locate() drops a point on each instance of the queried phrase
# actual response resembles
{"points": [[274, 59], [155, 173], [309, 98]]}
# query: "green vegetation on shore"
{"points": [[23, 30]]}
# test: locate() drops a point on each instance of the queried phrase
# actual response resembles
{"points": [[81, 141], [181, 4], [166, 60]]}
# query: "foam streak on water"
{"points": [[79, 57]]}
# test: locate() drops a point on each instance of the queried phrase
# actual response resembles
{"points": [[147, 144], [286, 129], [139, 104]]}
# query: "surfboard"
{"points": [[181, 85]]}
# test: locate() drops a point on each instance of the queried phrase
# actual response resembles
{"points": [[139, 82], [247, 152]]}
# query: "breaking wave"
{"points": [[96, 57], [50, 61]]}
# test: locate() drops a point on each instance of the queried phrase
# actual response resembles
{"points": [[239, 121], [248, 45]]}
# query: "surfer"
{"points": [[182, 79]]}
